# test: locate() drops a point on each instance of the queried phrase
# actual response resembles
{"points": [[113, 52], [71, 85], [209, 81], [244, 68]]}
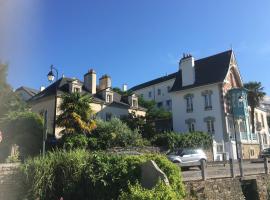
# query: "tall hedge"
{"points": [[82, 175]]}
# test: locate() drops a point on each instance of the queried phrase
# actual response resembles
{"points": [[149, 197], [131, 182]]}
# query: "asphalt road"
{"points": [[220, 171]]}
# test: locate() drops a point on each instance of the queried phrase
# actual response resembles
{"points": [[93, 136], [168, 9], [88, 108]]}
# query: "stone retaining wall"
{"points": [[10, 185]]}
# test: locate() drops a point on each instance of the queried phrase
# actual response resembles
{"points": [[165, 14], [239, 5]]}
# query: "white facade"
{"points": [[159, 93]]}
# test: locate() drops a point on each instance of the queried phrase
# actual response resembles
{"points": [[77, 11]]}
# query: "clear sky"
{"points": [[132, 40]]}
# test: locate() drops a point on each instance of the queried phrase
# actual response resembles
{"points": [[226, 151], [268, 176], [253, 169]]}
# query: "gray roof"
{"points": [[30, 91], [212, 69], [62, 86]]}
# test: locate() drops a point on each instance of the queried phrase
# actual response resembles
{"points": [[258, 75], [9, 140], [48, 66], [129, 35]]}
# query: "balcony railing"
{"points": [[244, 136]]}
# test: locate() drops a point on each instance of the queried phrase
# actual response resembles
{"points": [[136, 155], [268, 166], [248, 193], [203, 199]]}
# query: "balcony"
{"points": [[244, 136]]}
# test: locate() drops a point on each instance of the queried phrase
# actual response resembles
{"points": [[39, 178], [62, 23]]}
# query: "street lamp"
{"points": [[51, 76]]}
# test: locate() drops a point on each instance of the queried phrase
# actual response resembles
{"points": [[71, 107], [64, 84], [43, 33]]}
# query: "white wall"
{"points": [[154, 90], [199, 112]]}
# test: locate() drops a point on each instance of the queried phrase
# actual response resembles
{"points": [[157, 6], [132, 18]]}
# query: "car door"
{"points": [[186, 156]]}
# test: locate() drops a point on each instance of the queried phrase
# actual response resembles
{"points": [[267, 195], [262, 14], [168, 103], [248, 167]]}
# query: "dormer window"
{"points": [[109, 98], [134, 102], [76, 89]]}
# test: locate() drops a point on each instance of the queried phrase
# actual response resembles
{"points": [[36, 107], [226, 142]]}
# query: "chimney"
{"points": [[42, 88], [125, 87], [90, 81], [105, 82], [187, 65]]}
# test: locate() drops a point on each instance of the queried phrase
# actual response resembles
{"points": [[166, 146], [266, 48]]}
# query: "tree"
{"points": [[24, 129], [9, 100], [255, 96], [153, 113], [76, 113]]}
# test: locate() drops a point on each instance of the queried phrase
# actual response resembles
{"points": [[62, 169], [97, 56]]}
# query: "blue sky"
{"points": [[133, 41]]}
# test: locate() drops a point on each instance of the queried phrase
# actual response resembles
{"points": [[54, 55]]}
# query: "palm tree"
{"points": [[76, 113], [255, 96]]}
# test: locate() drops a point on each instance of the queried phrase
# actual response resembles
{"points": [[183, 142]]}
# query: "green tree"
{"points": [[9, 100], [76, 114], [255, 96], [24, 129], [153, 113]]}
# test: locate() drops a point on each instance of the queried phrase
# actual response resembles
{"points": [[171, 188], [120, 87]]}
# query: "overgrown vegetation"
{"points": [[172, 140], [114, 133], [24, 129], [79, 175]]}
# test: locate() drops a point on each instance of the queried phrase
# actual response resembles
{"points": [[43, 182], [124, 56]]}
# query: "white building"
{"points": [[198, 92]]}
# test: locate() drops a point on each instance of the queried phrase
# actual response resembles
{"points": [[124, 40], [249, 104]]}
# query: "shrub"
{"points": [[115, 133], [159, 192], [24, 129], [172, 140], [74, 141], [79, 175]]}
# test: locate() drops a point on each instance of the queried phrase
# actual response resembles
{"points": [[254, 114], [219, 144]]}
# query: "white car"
{"points": [[187, 157]]}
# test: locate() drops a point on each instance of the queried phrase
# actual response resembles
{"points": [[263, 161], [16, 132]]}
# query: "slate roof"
{"points": [[155, 81], [62, 86], [212, 69], [209, 70], [30, 91]]}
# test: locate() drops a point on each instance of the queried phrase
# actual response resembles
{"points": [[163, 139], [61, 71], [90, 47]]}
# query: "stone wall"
{"points": [[214, 189], [10, 185]]}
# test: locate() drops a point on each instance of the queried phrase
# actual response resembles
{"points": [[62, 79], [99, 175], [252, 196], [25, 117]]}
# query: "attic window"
{"points": [[134, 102], [109, 98]]}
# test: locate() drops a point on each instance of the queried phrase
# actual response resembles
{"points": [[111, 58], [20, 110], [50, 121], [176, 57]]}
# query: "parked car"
{"points": [[265, 153], [187, 157]]}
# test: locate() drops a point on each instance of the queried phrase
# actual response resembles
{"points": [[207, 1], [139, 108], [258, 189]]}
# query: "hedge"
{"points": [[80, 174]]}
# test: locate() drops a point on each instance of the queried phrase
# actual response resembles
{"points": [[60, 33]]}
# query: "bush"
{"points": [[24, 129], [172, 140], [74, 141], [159, 192], [114, 133], [82, 175]]}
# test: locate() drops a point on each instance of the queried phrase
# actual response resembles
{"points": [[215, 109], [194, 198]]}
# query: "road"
{"points": [[220, 171]]}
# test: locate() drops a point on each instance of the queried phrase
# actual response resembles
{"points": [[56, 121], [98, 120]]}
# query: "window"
{"points": [[242, 126], [262, 120], [159, 104], [168, 88], [207, 95], [108, 116], [191, 127], [252, 152], [189, 102], [141, 95], [134, 103], [210, 126], [190, 124], [219, 148], [77, 89], [150, 94], [108, 98], [169, 104], [159, 92]]}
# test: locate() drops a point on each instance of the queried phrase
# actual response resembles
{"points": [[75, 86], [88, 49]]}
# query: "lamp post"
{"points": [[51, 78]]}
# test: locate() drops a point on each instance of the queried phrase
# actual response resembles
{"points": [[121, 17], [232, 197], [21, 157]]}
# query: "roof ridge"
{"points": [[217, 54]]}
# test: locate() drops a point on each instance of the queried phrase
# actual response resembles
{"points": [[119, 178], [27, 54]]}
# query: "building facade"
{"points": [[105, 105], [201, 101]]}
